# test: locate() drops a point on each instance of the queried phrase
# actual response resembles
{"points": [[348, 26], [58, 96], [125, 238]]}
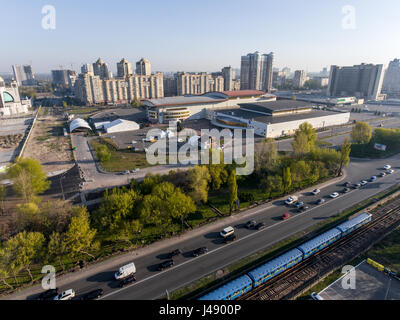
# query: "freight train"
{"points": [[241, 285]]}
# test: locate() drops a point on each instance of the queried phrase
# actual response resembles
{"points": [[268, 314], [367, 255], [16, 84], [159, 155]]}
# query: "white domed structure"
{"points": [[10, 101]]}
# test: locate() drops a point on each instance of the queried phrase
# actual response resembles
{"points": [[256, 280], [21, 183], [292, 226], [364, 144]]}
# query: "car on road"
{"points": [[334, 195], [316, 296], [347, 184], [174, 253], [320, 201], [303, 208], [356, 186], [260, 226], [65, 295], [49, 294], [363, 183], [126, 172], [372, 179], [346, 190], [291, 200], [316, 191], [92, 295], [250, 224], [387, 167], [199, 251], [165, 264], [128, 280], [231, 238], [133, 171], [286, 216], [227, 232], [390, 171], [299, 204], [382, 174]]}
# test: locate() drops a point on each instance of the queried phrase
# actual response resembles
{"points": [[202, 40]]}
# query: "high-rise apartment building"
{"points": [[256, 71], [100, 69], [229, 76], [63, 78], [24, 75], [391, 82], [198, 83], [19, 74], [91, 88], [299, 79], [124, 68], [87, 68], [143, 67], [170, 86], [30, 76], [361, 81]]}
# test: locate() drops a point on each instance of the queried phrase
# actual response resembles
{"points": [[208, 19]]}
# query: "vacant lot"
{"points": [[48, 144]]}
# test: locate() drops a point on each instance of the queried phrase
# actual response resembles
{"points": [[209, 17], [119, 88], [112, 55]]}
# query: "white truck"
{"points": [[125, 271], [291, 200]]}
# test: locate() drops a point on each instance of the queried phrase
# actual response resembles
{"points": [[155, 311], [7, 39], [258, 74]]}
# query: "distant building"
{"points": [[143, 67], [278, 78], [124, 69], [170, 86], [361, 81], [321, 81], [100, 69], [10, 100], [19, 74], [256, 71], [391, 82], [63, 78], [87, 68], [24, 75], [91, 88], [198, 83], [30, 76], [229, 75], [299, 79]]}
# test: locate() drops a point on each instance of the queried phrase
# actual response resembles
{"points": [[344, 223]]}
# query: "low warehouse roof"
{"points": [[78, 123], [120, 125]]}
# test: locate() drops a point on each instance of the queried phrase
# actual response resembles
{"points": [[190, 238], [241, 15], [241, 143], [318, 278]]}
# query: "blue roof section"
{"points": [[272, 265], [352, 222], [228, 289], [317, 241]]}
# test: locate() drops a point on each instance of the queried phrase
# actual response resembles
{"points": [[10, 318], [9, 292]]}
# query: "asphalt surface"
{"points": [[152, 284]]}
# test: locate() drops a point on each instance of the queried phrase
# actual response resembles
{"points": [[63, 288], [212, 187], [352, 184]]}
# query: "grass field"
{"points": [[121, 160]]}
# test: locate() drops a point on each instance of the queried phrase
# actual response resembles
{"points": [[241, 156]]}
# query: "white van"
{"points": [[227, 232], [291, 200], [125, 271]]}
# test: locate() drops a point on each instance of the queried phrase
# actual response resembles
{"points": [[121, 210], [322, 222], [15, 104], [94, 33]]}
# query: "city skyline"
{"points": [[178, 39]]}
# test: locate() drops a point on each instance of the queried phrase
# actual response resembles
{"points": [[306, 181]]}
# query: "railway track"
{"points": [[294, 280]]}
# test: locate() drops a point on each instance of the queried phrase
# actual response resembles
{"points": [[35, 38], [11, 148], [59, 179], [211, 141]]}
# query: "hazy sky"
{"points": [[198, 35]]}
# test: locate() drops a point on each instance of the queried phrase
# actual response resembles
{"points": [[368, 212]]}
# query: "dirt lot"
{"points": [[48, 144]]}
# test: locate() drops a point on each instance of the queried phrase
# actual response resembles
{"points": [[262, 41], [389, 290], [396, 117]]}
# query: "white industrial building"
{"points": [[195, 107], [276, 119], [10, 101], [79, 124], [118, 125]]}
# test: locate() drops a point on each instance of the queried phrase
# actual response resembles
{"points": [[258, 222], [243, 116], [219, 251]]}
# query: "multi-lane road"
{"points": [[152, 284]]}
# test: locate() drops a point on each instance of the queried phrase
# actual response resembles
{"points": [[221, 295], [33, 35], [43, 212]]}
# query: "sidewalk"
{"points": [[114, 262]]}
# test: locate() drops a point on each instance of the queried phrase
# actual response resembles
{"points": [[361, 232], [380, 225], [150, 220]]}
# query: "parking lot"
{"points": [[371, 284]]}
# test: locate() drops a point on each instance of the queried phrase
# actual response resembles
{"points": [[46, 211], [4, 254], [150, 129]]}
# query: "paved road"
{"points": [[152, 284]]}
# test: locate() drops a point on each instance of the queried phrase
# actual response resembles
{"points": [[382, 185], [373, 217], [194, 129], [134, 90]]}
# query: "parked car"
{"points": [[346, 190], [92, 295], [347, 184], [316, 191], [199, 251], [299, 204], [126, 172], [286, 216], [382, 174], [133, 171], [320, 201], [49, 294], [334, 195], [260, 226], [128, 280], [390, 171], [387, 167], [65, 295], [356, 186], [251, 224], [174, 253], [230, 238], [363, 183], [372, 179], [166, 264]]}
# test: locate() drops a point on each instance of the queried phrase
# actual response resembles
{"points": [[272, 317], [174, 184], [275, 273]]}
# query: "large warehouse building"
{"points": [[192, 107], [276, 118]]}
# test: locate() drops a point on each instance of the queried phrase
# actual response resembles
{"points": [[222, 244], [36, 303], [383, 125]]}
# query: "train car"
{"points": [[355, 223], [318, 243], [231, 290], [275, 266]]}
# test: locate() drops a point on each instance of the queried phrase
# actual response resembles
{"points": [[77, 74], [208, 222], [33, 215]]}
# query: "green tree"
{"points": [[136, 102], [287, 179], [28, 177], [300, 144], [103, 153], [267, 156], [199, 178], [24, 248], [361, 132], [271, 184], [218, 172], [3, 192], [345, 150], [310, 132], [79, 235], [5, 259], [233, 190], [56, 248]]}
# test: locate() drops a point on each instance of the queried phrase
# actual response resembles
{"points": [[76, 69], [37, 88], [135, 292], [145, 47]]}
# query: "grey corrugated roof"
{"points": [[182, 100], [276, 106]]}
